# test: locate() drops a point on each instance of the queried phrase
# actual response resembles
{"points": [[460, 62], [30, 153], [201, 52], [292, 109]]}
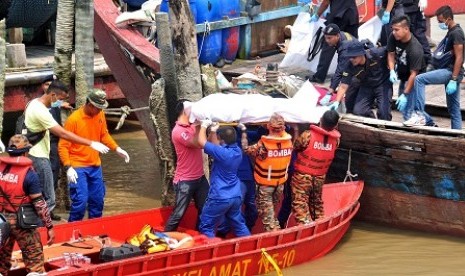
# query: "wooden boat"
{"points": [[414, 176], [208, 256]]}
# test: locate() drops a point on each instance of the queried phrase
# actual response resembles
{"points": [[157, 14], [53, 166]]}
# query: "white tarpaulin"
{"points": [[371, 30], [302, 34], [256, 108]]}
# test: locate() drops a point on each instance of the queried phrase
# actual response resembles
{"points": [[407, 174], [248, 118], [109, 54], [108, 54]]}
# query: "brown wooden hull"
{"points": [[415, 177]]}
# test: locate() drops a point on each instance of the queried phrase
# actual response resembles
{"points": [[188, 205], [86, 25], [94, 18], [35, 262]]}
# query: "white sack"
{"points": [[256, 108], [302, 33], [371, 30]]}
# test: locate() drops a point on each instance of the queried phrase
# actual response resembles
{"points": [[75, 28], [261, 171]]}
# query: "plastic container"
{"points": [[230, 36], [209, 45]]}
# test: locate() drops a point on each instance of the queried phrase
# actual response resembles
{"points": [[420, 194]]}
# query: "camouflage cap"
{"points": [[18, 145], [276, 121], [98, 98]]}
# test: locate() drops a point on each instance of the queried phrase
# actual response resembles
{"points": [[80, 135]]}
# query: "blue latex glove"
{"points": [[451, 87], [386, 18], [378, 3], [393, 76], [334, 105], [401, 102], [314, 18], [325, 13], [325, 100]]}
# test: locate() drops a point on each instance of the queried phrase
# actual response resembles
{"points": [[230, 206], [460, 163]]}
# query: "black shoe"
{"points": [[55, 217], [316, 80], [433, 124]]}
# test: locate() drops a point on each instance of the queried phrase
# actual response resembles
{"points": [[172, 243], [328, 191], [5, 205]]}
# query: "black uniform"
{"points": [[417, 23], [373, 85], [344, 14], [341, 60]]}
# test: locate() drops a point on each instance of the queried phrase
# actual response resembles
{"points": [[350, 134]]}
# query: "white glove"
{"points": [[241, 126], [99, 147], [72, 175], [422, 4], [2, 147], [206, 123], [122, 153], [214, 126]]}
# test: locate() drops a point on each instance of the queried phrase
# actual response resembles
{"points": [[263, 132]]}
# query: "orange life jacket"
{"points": [[271, 168], [317, 157], [13, 171]]}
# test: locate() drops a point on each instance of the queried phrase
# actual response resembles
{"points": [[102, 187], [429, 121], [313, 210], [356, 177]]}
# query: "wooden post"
{"points": [[84, 46], [2, 71], [163, 145], [185, 51], [64, 40], [167, 66]]}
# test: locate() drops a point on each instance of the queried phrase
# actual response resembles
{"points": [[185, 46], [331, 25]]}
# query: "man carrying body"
{"points": [[272, 155], [369, 69], [225, 195], [189, 179], [344, 14], [38, 119], [405, 62], [315, 152], [82, 164], [26, 189], [450, 76]]}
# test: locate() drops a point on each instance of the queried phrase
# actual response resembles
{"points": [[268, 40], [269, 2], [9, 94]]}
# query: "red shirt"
{"points": [[189, 159]]}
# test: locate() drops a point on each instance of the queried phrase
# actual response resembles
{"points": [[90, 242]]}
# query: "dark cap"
{"points": [[331, 29], [18, 145], [48, 78], [354, 49], [57, 85], [98, 98]]}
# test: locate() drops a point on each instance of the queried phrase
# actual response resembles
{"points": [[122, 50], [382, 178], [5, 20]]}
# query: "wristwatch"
{"points": [[454, 78], [66, 167]]}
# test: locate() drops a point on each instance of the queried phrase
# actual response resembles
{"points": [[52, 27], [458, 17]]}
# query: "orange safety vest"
{"points": [[271, 169], [317, 157], [13, 171]]}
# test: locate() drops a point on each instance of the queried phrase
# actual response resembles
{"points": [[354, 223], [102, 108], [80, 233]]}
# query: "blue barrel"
{"points": [[209, 45], [165, 6], [230, 36], [134, 4]]}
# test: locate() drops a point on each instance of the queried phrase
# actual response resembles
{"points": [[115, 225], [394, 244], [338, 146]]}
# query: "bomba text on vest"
{"points": [[322, 146], [279, 153]]}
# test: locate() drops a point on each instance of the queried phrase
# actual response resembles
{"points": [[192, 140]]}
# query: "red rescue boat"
{"points": [[207, 256]]}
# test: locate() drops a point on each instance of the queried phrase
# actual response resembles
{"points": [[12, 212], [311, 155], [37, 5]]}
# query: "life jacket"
{"points": [[13, 171], [271, 168], [317, 157]]}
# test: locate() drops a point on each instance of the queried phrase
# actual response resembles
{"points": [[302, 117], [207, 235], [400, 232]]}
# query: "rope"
{"points": [[272, 262], [124, 112], [207, 32], [349, 174]]}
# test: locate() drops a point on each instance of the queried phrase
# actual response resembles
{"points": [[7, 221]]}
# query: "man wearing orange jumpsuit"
{"points": [[82, 164]]}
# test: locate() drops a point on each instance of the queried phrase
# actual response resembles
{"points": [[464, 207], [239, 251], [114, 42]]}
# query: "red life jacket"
{"points": [[272, 170], [13, 171], [317, 157]]}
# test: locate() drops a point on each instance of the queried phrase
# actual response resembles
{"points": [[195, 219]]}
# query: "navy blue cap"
{"points": [[354, 49], [331, 29], [48, 78]]}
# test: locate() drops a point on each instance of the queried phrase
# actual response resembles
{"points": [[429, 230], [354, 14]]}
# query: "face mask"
{"points": [[57, 103], [443, 26]]}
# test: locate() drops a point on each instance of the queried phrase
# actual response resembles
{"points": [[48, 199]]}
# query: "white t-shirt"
{"points": [[38, 118]]}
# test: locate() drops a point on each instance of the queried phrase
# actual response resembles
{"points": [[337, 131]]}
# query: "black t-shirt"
{"points": [[455, 36], [409, 56], [409, 6], [373, 73]]}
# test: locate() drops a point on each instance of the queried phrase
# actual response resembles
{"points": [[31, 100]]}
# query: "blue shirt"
{"points": [[245, 171], [31, 183], [224, 183]]}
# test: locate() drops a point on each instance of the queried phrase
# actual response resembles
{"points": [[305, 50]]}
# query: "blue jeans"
{"points": [[185, 191], [439, 76], [44, 169], [87, 193], [217, 210]]}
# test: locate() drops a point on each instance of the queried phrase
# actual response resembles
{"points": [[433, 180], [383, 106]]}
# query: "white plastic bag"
{"points": [[371, 29], [303, 32]]}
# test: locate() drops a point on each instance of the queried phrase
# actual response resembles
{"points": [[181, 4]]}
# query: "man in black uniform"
{"points": [[368, 69], [335, 38], [414, 10], [344, 14], [405, 52]]}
